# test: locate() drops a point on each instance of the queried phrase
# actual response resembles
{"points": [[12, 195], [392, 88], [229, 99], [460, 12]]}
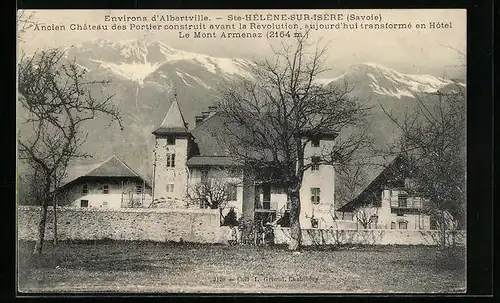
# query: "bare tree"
{"points": [[55, 101], [434, 141], [212, 193], [270, 119], [367, 215]]}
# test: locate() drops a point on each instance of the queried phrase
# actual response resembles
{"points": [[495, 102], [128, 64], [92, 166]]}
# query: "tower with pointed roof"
{"points": [[171, 147]]}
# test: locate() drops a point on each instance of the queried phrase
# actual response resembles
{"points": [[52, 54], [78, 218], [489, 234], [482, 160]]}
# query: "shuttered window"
{"points": [[170, 160], [315, 194]]}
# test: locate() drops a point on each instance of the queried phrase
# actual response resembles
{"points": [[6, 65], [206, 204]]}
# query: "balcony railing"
{"points": [[266, 205], [414, 203]]}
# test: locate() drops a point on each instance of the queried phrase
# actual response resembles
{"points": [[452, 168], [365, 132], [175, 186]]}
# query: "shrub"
{"points": [[230, 218]]}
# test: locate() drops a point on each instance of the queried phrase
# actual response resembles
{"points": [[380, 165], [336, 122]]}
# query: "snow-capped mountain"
{"points": [[384, 81], [378, 87], [144, 76], [139, 61]]}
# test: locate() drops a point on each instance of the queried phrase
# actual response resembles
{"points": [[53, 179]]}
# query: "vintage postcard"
{"points": [[241, 151]]}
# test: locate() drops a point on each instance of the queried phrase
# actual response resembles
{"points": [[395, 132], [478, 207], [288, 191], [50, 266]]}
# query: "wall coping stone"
{"points": [[121, 210]]}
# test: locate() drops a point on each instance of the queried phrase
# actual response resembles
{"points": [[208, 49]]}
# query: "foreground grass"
{"points": [[170, 267]]}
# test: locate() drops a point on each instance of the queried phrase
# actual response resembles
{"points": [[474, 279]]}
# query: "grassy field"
{"points": [[197, 268]]}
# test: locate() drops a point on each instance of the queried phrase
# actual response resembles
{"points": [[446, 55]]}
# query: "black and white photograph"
{"points": [[241, 151]]}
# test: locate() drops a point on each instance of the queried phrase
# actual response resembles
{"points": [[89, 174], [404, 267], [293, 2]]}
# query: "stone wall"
{"points": [[197, 225], [345, 224], [371, 237], [191, 225]]}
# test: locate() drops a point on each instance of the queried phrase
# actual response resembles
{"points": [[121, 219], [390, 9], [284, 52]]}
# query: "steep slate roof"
{"points": [[211, 135], [113, 167], [212, 140], [173, 123], [390, 174], [207, 136], [207, 139]]}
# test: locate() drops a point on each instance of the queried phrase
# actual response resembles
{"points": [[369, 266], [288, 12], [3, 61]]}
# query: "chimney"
{"points": [[213, 110], [205, 114], [198, 120]]}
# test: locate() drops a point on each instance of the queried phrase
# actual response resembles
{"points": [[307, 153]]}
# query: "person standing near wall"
{"points": [[241, 230], [259, 233], [233, 235], [268, 235]]}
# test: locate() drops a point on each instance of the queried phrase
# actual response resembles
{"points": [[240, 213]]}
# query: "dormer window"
{"points": [[170, 140], [315, 142]]}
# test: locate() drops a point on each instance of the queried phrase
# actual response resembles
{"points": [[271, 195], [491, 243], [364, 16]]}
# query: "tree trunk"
{"points": [[43, 219], [295, 230], [443, 230], [221, 217], [41, 228], [55, 222]]}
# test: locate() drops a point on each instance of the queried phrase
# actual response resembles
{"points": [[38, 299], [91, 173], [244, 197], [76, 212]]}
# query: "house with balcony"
{"points": [[110, 184], [184, 157], [389, 202]]}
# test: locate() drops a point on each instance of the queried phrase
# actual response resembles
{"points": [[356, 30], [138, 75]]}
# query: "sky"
{"points": [[432, 51]]}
